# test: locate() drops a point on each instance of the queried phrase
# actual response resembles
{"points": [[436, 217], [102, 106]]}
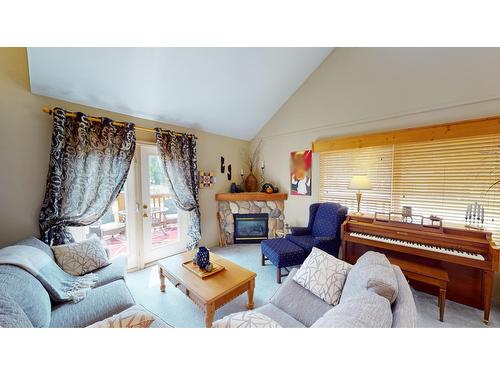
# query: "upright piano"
{"points": [[468, 255]]}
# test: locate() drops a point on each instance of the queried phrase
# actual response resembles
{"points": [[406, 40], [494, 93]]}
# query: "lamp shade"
{"points": [[361, 182]]}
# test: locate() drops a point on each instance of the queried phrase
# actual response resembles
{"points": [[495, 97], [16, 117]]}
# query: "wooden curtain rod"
{"points": [[117, 123]]}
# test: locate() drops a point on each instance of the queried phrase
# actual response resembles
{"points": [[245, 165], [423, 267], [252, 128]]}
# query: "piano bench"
{"points": [[425, 274]]}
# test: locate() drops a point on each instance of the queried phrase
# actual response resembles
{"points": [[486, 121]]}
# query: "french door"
{"points": [[163, 228], [143, 222]]}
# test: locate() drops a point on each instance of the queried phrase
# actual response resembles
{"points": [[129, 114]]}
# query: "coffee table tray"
{"points": [[201, 273]]}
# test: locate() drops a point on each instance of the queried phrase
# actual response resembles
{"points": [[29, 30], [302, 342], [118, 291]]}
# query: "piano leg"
{"points": [[442, 303], [487, 294]]}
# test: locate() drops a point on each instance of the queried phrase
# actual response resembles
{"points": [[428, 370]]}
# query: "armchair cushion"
{"points": [[300, 231], [306, 242]]}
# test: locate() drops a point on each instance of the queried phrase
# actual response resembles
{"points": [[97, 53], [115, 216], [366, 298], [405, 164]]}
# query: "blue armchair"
{"points": [[323, 230]]}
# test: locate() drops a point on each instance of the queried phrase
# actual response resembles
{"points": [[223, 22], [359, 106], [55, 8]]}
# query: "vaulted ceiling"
{"points": [[227, 91]]}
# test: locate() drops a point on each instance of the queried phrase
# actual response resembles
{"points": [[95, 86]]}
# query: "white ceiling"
{"points": [[228, 91]]}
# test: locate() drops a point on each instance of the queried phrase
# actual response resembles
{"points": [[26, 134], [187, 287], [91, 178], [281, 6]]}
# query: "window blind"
{"points": [[338, 167], [440, 177]]}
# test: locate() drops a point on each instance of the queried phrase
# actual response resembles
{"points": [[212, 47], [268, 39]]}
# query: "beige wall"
{"points": [[363, 90], [25, 144]]}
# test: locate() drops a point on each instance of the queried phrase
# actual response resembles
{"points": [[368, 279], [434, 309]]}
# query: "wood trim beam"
{"points": [[251, 197], [467, 128]]}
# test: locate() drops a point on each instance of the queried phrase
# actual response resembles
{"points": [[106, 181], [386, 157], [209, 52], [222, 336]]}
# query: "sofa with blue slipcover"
{"points": [[24, 302]]}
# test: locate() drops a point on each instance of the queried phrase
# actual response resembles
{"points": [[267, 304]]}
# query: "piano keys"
{"points": [[469, 256]]}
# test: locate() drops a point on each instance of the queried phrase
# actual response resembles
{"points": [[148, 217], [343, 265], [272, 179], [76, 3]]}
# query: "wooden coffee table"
{"points": [[212, 292]]}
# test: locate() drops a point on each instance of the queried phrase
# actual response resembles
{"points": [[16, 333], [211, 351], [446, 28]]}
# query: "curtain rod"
{"points": [[117, 123]]}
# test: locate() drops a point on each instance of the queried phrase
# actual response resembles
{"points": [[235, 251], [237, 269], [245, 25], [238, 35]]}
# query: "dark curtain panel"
{"points": [[178, 155], [88, 166]]}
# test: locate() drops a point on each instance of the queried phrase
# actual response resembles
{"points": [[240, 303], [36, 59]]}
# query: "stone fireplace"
{"points": [[250, 228], [249, 203]]}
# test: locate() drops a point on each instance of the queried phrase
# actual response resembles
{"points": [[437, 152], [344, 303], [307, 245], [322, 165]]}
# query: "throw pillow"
{"points": [[246, 319], [11, 314], [366, 310], [134, 317], [80, 258], [323, 275]]}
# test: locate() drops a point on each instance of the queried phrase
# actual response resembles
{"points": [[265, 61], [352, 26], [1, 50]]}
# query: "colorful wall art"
{"points": [[300, 172]]}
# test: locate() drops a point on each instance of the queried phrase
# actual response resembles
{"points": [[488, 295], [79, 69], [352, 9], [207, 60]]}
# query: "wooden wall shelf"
{"points": [[251, 197]]}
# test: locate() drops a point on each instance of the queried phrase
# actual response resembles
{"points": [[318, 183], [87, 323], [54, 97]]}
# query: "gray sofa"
{"points": [[109, 296], [295, 307]]}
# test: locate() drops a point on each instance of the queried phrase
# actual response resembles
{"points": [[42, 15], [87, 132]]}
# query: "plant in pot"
{"points": [[251, 183]]}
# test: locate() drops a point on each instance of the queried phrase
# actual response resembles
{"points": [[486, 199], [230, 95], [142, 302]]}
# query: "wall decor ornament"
{"points": [[251, 182], [268, 188], [300, 172], [229, 172], [222, 166], [206, 179]]}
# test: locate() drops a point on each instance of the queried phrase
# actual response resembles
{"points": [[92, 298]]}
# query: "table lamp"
{"points": [[361, 182]]}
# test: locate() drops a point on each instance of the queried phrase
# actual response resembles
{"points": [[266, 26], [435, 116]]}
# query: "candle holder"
{"points": [[262, 179], [474, 216], [242, 185]]}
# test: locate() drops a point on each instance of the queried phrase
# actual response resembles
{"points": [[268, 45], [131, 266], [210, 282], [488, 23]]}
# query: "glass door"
{"points": [[163, 224], [117, 227]]}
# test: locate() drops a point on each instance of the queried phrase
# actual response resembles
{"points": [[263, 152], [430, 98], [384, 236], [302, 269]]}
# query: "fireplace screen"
{"points": [[250, 228]]}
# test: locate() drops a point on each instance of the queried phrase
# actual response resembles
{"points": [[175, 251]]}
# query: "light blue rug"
{"points": [[177, 310]]}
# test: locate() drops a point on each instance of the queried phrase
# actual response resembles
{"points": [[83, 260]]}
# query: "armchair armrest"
{"points": [[300, 231]]}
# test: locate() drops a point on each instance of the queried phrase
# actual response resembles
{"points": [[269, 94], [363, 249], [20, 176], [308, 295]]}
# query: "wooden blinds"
{"points": [[338, 167], [438, 177]]}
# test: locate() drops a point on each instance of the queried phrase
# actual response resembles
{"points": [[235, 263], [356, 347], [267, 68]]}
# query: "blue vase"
{"points": [[202, 257]]}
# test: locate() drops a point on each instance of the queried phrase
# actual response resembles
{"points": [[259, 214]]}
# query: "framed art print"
{"points": [[300, 172]]}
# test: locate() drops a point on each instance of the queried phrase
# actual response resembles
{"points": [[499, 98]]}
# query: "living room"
{"points": [[332, 185]]}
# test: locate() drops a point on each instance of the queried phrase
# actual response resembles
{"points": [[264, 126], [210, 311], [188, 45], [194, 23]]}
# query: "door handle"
{"points": [[144, 215], [144, 206]]}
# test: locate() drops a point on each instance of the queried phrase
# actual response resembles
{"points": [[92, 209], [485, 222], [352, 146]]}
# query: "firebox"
{"points": [[250, 228]]}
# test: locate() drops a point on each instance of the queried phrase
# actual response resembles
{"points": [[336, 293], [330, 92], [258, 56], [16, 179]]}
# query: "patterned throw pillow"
{"points": [[323, 275], [80, 258], [246, 319], [134, 317]]}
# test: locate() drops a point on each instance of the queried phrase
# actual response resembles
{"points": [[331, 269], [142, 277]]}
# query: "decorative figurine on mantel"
{"points": [[474, 216]]}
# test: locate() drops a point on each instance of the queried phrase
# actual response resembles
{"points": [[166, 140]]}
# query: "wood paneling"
{"points": [[467, 128]]}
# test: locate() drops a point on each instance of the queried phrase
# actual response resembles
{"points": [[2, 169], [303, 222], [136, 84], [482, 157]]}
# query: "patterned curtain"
{"points": [[178, 155], [88, 166]]}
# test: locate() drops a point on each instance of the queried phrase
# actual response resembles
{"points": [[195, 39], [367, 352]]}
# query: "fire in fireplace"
{"points": [[250, 228]]}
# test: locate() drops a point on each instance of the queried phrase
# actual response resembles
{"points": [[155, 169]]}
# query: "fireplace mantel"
{"points": [[251, 197]]}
